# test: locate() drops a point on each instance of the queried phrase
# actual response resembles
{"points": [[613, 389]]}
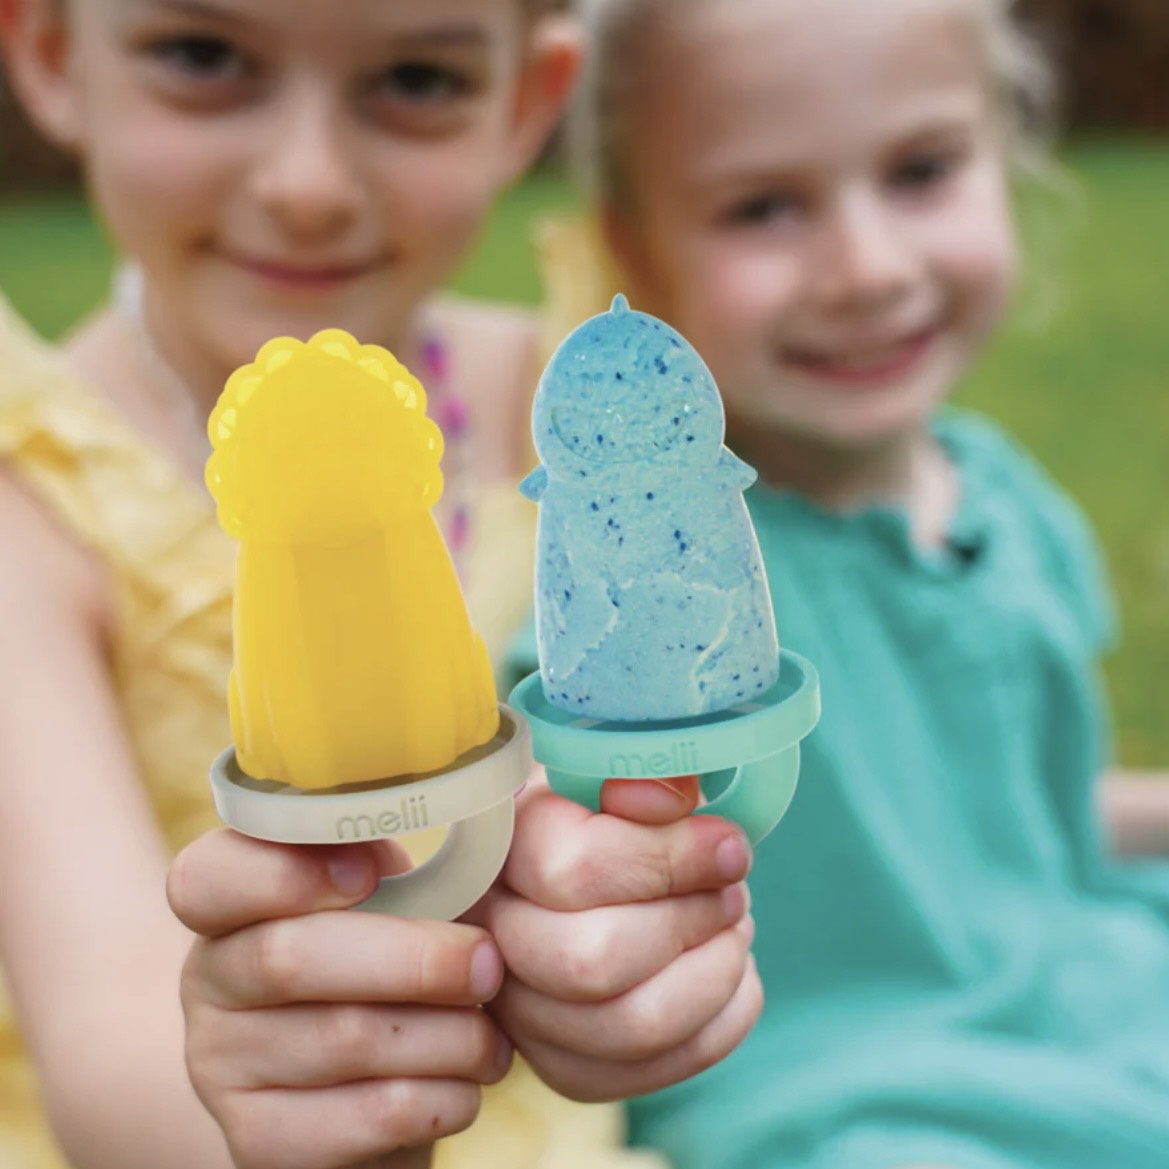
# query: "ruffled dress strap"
{"points": [[170, 567], [579, 276]]}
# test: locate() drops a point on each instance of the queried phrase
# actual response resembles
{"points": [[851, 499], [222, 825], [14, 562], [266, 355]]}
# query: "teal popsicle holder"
{"points": [[747, 757], [657, 643]]}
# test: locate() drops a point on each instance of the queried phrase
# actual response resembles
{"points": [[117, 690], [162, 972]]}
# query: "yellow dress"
{"points": [[172, 567]]}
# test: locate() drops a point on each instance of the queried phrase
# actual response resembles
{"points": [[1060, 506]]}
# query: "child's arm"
{"points": [[320, 1038], [91, 953], [1136, 811], [627, 943]]}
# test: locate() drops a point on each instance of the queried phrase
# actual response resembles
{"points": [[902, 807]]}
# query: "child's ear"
{"points": [[547, 75], [34, 39]]}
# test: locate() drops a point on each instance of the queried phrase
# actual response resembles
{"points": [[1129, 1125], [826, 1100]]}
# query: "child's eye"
{"points": [[425, 83], [763, 209], [202, 57], [921, 171], [426, 98]]}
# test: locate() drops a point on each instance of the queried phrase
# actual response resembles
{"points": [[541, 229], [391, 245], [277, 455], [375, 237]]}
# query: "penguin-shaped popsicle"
{"points": [[651, 598]]}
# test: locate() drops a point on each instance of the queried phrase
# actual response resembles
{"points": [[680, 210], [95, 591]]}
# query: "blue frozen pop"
{"points": [[651, 599]]}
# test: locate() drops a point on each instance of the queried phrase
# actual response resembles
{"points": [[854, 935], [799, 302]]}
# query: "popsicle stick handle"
{"points": [[752, 750], [756, 797], [474, 797], [759, 795], [456, 876]]}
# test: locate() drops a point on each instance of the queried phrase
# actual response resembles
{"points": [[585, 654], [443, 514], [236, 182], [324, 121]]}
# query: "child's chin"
{"points": [[246, 335], [856, 427]]}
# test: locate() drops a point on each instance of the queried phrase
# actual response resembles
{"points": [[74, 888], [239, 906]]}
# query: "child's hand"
{"points": [[627, 944], [320, 1038]]}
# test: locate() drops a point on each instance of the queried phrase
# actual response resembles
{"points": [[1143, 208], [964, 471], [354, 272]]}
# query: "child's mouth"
{"points": [[869, 365], [309, 278]]}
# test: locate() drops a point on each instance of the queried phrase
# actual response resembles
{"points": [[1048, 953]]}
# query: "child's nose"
{"points": [[305, 176], [865, 261]]}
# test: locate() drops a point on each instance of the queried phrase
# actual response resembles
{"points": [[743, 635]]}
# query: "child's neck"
{"points": [[203, 374], [163, 383], [909, 471]]}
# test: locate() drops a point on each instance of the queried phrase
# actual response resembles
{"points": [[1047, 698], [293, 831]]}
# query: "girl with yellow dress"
{"points": [[267, 168]]}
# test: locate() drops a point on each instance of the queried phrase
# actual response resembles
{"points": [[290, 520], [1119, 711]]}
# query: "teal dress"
{"points": [[955, 974]]}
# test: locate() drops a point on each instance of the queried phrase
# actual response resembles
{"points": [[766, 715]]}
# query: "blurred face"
{"points": [[278, 166], [817, 201]]}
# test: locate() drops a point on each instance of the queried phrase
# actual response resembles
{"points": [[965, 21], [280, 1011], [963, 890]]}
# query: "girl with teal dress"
{"points": [[958, 972]]}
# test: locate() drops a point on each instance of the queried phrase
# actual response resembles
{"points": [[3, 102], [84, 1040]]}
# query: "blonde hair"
{"points": [[1022, 80]]}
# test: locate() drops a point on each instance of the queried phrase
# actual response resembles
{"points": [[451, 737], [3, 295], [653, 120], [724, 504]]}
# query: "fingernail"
{"points": [[733, 858], [674, 798], [747, 928], [503, 1053], [679, 787], [486, 971], [350, 873], [734, 902]]}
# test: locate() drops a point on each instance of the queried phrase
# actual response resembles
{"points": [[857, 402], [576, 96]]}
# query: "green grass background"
{"points": [[1081, 375]]}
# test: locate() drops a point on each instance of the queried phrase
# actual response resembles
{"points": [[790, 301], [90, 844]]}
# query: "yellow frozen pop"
{"points": [[354, 656]]}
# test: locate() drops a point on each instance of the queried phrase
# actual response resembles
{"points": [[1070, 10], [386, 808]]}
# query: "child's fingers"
{"points": [[342, 1126], [589, 1078], [224, 881], [345, 957], [313, 1046], [651, 801], [595, 954], [656, 1016], [564, 857]]}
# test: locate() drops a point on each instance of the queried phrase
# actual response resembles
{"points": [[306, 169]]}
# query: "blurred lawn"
{"points": [[1082, 377]]}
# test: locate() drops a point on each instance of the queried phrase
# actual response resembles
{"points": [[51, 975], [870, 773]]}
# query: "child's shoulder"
{"points": [[987, 446], [52, 571], [25, 356], [1009, 482], [993, 461]]}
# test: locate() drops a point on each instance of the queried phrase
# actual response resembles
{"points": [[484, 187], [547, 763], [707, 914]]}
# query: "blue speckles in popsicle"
{"points": [[651, 600]]}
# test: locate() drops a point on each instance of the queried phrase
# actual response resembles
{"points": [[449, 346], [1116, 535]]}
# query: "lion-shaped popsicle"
{"points": [[354, 659]]}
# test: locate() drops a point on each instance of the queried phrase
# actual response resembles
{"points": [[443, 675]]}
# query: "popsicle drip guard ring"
{"points": [[474, 795], [758, 740]]}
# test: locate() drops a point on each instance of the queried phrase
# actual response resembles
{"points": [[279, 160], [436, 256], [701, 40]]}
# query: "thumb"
{"points": [[651, 801], [224, 881]]}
